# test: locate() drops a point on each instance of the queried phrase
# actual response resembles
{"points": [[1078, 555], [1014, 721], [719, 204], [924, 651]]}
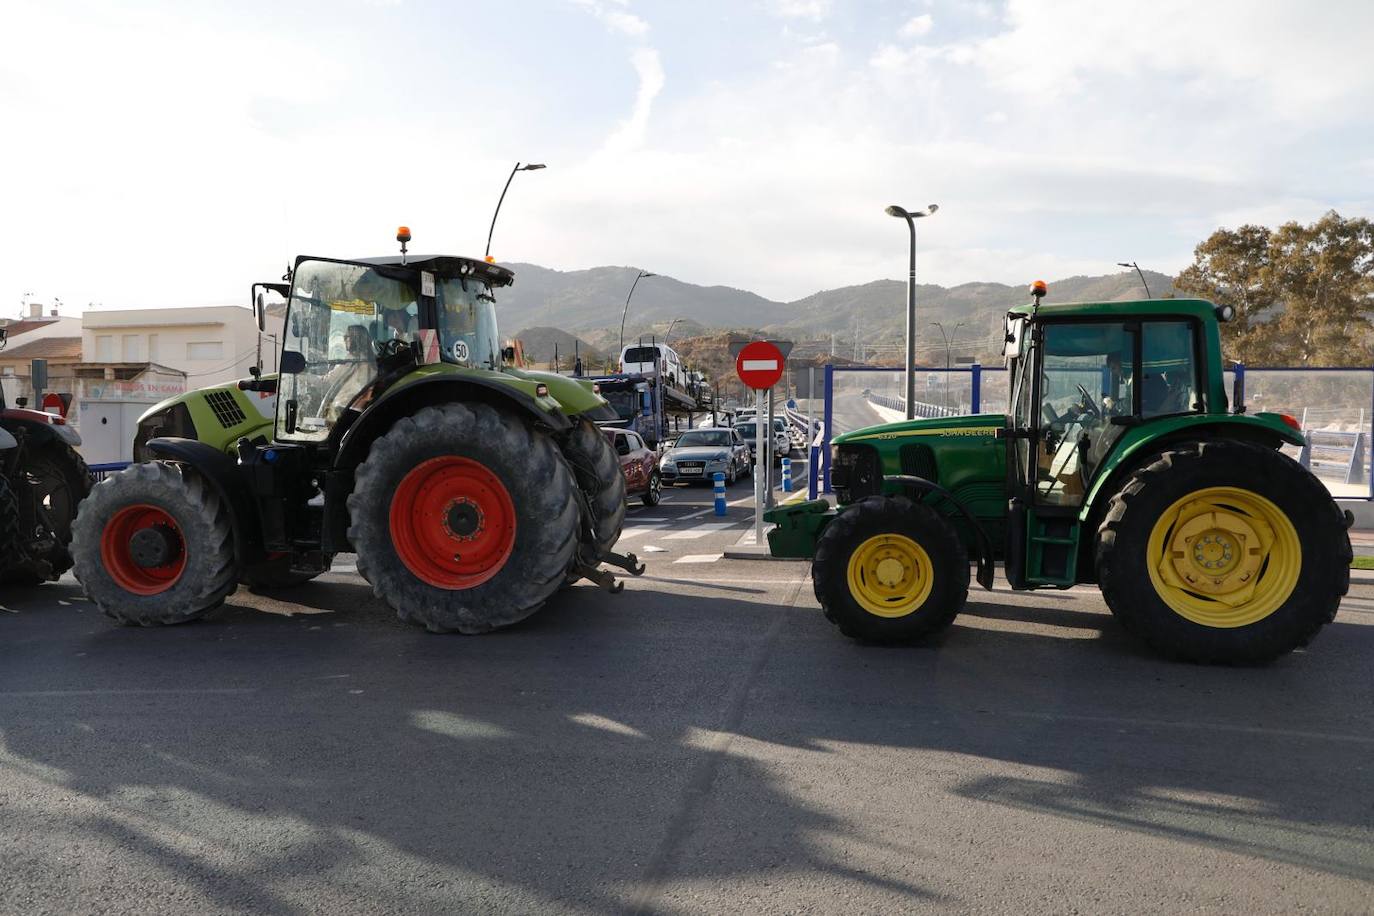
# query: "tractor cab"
{"points": [[1081, 379], [351, 324]]}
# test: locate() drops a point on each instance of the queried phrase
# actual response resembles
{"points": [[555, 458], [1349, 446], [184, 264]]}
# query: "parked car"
{"points": [[699, 453], [782, 445], [639, 464]]}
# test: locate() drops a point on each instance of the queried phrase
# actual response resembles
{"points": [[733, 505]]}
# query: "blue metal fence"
{"points": [[1334, 407]]}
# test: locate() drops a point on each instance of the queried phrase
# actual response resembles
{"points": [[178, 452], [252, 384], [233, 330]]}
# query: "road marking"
{"points": [[227, 691], [699, 558], [698, 531], [635, 531]]}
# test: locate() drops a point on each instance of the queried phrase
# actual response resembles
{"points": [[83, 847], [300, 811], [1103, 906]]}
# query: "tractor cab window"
{"points": [[337, 315], [1168, 370], [1086, 378], [467, 323]]}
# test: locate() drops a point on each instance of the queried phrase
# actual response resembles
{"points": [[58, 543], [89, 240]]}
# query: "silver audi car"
{"points": [[699, 453]]}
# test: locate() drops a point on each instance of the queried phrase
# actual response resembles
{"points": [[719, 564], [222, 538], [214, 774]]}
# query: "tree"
{"points": [[1302, 294]]}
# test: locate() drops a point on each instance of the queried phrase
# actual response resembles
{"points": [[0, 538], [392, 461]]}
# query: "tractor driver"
{"points": [[345, 383]]}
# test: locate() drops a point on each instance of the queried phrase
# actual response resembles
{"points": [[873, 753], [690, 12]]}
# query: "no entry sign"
{"points": [[759, 364]]}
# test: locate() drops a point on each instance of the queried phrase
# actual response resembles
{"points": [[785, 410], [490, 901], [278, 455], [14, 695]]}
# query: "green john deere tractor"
{"points": [[471, 491], [1119, 462]]}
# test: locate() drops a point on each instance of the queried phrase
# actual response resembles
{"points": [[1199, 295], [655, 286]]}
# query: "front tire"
{"points": [[153, 545], [655, 491], [464, 518], [890, 570], [1223, 552]]}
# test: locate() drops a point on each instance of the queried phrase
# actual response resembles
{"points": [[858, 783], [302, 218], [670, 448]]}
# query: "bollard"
{"points": [[787, 475], [719, 479]]}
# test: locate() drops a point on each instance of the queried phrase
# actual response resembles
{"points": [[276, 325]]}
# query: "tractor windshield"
{"points": [[337, 315], [467, 323]]}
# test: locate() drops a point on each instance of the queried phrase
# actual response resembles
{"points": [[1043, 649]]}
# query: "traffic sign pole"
{"points": [[760, 467], [760, 364]]}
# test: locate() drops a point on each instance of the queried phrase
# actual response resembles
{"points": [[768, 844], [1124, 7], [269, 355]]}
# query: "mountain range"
{"points": [[863, 321]]}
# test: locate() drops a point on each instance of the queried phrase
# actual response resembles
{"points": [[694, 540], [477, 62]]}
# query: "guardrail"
{"points": [[919, 408], [1334, 450], [100, 471]]}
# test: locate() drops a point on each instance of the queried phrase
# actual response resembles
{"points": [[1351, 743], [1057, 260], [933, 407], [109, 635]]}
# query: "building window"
{"points": [[152, 348], [208, 350], [104, 348], [129, 345]]}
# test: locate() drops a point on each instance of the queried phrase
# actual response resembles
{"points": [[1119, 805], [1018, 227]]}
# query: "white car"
{"points": [[782, 445]]}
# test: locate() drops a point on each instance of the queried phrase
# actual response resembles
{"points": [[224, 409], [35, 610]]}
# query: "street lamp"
{"points": [[1141, 273], [518, 168], [948, 340], [642, 275], [669, 332], [911, 218]]}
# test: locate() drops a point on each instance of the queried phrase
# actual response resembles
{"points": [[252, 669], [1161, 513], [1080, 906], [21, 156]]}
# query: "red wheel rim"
{"points": [[117, 555], [452, 523]]}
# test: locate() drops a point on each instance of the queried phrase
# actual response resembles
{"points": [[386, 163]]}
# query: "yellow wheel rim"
{"points": [[890, 575], [1224, 557]]}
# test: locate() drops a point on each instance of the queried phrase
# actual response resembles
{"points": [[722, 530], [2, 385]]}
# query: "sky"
{"points": [[169, 154]]}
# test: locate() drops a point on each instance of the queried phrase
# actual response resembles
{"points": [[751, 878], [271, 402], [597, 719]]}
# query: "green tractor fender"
{"points": [[423, 389], [1143, 442]]}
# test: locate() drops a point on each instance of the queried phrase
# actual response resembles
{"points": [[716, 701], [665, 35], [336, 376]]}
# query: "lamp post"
{"points": [[670, 331], [626, 311], [911, 218], [1139, 273], [518, 168], [948, 339]]}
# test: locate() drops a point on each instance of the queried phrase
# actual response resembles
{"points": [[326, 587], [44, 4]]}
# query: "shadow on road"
{"points": [[613, 750]]}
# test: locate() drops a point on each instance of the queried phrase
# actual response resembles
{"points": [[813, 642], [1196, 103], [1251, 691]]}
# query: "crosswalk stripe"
{"points": [[636, 530], [699, 558], [698, 531]]}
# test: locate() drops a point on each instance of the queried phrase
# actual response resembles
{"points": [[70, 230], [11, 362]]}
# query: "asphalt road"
{"points": [[703, 742]]}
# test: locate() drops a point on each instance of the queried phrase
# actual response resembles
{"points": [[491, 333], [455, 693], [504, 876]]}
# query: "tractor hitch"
{"points": [[628, 562]]}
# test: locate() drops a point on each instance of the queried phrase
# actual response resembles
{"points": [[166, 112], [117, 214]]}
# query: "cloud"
{"points": [[615, 15], [630, 134], [810, 10], [917, 26]]}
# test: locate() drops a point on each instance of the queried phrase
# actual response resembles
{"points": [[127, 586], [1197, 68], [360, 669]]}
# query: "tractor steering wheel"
{"points": [[1089, 404], [389, 349]]}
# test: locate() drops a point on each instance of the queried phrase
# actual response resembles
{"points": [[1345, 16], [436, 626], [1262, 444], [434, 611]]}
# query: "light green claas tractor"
{"points": [[470, 490], [1119, 462]]}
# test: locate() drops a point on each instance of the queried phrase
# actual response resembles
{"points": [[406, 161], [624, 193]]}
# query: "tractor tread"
{"points": [[540, 484], [211, 571], [1125, 528]]}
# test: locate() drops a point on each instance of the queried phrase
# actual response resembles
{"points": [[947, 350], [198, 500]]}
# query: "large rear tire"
{"points": [[464, 518], [9, 519], [1223, 552], [153, 545], [597, 471], [48, 489], [890, 570]]}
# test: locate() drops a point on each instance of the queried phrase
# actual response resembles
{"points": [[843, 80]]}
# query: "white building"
{"points": [[211, 344]]}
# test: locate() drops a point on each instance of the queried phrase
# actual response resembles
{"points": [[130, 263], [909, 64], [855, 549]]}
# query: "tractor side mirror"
{"points": [[292, 362], [508, 354], [260, 310]]}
